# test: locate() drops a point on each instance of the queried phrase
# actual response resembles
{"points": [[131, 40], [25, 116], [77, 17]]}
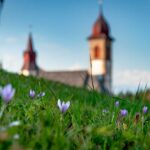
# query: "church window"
{"points": [[96, 52]]}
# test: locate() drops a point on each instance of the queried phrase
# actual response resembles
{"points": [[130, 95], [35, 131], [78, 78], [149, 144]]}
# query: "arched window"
{"points": [[96, 52]]}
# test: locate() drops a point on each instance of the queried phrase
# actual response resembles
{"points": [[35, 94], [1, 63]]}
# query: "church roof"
{"points": [[30, 43], [79, 78], [30, 56], [100, 28]]}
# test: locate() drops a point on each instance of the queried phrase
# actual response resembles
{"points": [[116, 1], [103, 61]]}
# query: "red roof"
{"points": [[100, 28], [29, 56]]}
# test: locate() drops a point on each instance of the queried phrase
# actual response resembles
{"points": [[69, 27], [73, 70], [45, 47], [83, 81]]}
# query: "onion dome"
{"points": [[100, 28]]}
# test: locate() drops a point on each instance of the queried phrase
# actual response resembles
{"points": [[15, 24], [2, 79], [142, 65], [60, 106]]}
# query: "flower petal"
{"points": [[9, 96], [68, 104], [7, 93], [32, 93], [59, 104], [65, 106], [7, 88]]}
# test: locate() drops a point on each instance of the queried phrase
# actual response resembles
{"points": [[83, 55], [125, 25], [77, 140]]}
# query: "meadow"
{"points": [[31, 120]]}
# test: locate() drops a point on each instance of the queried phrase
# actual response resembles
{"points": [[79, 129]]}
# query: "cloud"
{"points": [[124, 80]]}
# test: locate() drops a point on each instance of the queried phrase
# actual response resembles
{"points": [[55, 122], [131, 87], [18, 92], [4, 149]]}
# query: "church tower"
{"points": [[29, 67], [100, 43]]}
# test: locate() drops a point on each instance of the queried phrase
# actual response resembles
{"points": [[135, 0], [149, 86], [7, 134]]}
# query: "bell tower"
{"points": [[100, 43], [29, 67]]}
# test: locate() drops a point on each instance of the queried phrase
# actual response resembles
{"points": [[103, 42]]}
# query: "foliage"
{"points": [[92, 121]]}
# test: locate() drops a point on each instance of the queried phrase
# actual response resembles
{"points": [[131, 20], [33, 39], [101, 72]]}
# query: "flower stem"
{"points": [[2, 110], [142, 122], [62, 123]]}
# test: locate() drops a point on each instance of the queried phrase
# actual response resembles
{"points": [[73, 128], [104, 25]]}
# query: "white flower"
{"points": [[16, 136]]}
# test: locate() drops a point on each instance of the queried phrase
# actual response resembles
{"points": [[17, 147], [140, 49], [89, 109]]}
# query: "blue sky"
{"points": [[60, 29]]}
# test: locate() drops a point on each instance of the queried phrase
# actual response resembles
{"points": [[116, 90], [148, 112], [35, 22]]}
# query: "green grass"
{"points": [[83, 126]]}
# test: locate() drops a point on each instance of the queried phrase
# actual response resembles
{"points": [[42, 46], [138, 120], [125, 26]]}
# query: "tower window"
{"points": [[96, 52]]}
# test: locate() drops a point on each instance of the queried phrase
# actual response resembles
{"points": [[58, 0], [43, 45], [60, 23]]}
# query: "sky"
{"points": [[60, 29]]}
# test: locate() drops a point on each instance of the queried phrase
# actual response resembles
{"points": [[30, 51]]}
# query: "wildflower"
{"points": [[117, 103], [16, 136], [14, 123], [105, 111], [7, 93], [63, 106], [32, 93], [145, 109], [42, 94], [123, 112]]}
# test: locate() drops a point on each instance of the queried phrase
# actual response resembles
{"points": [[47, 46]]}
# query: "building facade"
{"points": [[99, 73]]}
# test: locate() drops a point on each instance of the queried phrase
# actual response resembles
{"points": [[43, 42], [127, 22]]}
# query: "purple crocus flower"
{"points": [[7, 93], [63, 106], [117, 103], [41, 94], [123, 112], [105, 111], [32, 93], [145, 109]]}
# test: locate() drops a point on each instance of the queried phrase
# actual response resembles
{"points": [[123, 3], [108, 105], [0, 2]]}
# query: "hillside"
{"points": [[93, 120]]}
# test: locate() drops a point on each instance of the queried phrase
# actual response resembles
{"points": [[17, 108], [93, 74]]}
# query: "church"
{"points": [[99, 74]]}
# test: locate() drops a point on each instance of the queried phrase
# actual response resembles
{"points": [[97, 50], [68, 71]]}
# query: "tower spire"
{"points": [[30, 66], [100, 2], [30, 43]]}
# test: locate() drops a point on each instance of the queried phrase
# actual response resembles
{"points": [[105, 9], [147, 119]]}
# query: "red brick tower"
{"points": [[29, 67]]}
